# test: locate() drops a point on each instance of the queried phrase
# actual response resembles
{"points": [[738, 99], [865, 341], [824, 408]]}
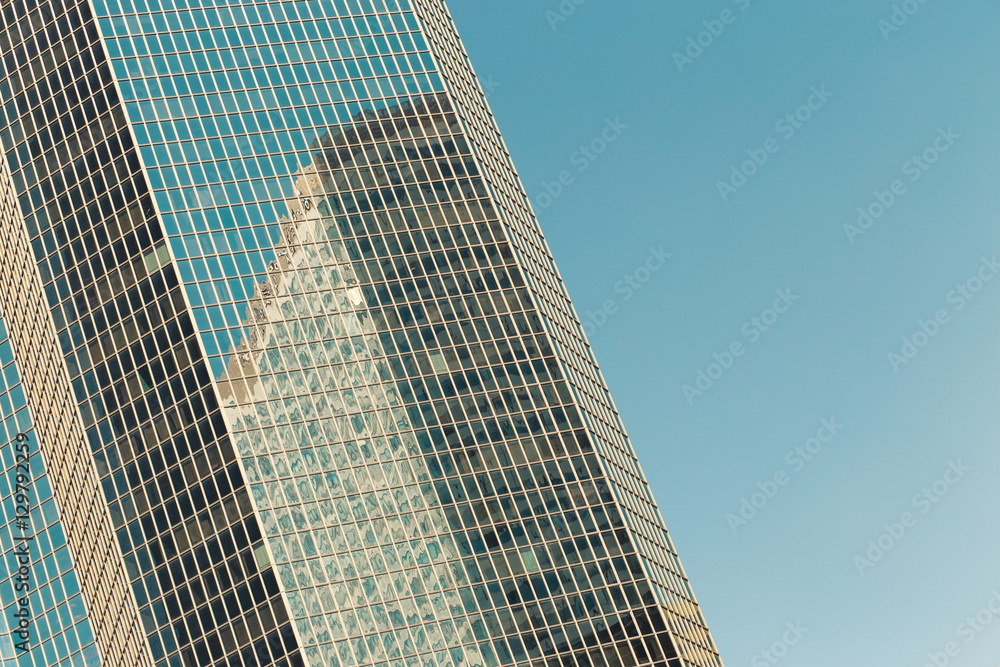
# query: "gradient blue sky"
{"points": [[827, 356]]}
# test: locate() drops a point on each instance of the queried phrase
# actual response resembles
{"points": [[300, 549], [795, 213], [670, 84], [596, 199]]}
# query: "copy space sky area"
{"points": [[824, 179]]}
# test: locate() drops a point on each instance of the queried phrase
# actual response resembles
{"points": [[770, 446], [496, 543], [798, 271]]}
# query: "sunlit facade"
{"points": [[326, 383]]}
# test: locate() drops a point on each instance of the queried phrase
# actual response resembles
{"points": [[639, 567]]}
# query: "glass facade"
{"points": [[38, 565], [337, 405]]}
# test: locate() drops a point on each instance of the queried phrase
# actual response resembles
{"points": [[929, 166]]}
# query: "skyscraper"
{"points": [[300, 381]]}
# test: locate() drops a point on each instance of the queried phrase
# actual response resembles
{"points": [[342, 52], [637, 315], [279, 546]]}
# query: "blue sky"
{"points": [[927, 90]]}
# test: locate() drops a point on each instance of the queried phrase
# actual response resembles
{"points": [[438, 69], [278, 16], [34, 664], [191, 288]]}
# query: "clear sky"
{"points": [[926, 418]]}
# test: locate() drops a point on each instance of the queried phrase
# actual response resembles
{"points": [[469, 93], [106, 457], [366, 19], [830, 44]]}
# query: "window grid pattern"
{"points": [[466, 271], [646, 525], [63, 469], [304, 132], [177, 501], [359, 542], [203, 216], [546, 601], [59, 626], [204, 219], [225, 101]]}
